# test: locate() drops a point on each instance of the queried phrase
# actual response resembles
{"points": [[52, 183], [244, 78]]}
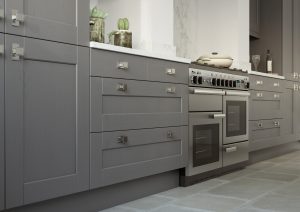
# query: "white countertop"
{"points": [[108, 47], [266, 75]]}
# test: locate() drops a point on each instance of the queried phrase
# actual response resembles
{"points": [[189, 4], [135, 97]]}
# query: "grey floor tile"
{"points": [[119, 209], [284, 169], [245, 188], [211, 203], [261, 165], [237, 174], [273, 176], [292, 189], [148, 203], [174, 208], [251, 209], [278, 203], [182, 192]]}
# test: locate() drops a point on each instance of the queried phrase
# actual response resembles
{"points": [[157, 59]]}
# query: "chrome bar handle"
{"points": [[171, 71], [122, 87], [170, 134], [237, 93], [123, 66], [295, 75], [17, 52], [259, 95], [208, 92], [17, 18], [296, 87], [122, 139], [260, 82], [276, 84], [276, 96], [231, 149], [276, 123], [218, 116], [171, 90]]}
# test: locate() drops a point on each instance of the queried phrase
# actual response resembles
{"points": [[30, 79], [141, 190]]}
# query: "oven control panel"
{"points": [[210, 79]]}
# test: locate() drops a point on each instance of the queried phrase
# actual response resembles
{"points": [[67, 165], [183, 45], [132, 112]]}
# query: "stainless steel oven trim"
{"points": [[230, 140], [207, 91], [197, 119]]}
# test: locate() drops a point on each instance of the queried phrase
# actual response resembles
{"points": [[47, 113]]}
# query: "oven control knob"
{"points": [[230, 83], [223, 83], [214, 81], [226, 83], [218, 82], [234, 84], [248, 85], [194, 79], [200, 80]]}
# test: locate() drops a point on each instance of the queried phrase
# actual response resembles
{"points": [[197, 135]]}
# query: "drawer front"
{"points": [[265, 129], [266, 95], [269, 107], [118, 65], [167, 71], [125, 66], [266, 84], [139, 105], [205, 103], [235, 153], [145, 152]]}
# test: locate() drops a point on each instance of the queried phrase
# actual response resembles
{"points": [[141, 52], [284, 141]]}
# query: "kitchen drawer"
{"points": [[137, 105], [167, 71], [264, 129], [235, 153], [125, 155], [266, 84], [126, 66], [265, 105], [118, 65]]}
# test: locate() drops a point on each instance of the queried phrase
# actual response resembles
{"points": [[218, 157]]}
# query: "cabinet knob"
{"points": [[171, 71], [123, 66], [276, 123], [260, 125], [171, 90], [170, 134], [1, 49], [17, 52], [276, 84], [2, 14], [260, 82], [122, 139], [17, 18], [122, 87]]}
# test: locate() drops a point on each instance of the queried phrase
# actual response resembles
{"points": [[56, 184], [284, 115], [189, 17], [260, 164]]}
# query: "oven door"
{"points": [[205, 142], [236, 125]]}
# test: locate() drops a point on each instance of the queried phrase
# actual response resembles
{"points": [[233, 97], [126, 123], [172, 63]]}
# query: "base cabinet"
{"points": [[46, 118], [2, 171]]}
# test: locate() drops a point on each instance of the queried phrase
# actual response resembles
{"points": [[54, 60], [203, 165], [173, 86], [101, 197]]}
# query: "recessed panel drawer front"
{"points": [[204, 103], [145, 152], [264, 129], [129, 104], [235, 153], [266, 84], [265, 105], [118, 65], [167, 71]]}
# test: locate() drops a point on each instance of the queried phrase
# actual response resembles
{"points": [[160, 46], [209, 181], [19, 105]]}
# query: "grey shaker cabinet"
{"points": [[64, 21], [118, 104], [2, 173], [2, 16], [145, 152], [254, 18], [296, 38], [47, 119]]}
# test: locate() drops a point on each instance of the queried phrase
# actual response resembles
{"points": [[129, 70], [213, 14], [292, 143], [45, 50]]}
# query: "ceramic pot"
{"points": [[121, 38], [97, 29]]}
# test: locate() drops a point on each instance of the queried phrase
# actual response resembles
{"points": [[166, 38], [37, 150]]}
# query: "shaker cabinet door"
{"points": [[2, 15], [64, 21], [47, 119], [254, 18], [296, 37], [1, 122]]}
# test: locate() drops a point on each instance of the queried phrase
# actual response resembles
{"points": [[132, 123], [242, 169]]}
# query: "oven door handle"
{"points": [[208, 92], [237, 93], [218, 116]]}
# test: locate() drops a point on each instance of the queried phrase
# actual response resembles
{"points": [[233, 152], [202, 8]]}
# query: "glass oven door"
{"points": [[205, 142], [236, 122]]}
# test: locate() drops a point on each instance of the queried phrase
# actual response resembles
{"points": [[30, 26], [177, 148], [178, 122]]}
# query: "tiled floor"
{"points": [[272, 185]]}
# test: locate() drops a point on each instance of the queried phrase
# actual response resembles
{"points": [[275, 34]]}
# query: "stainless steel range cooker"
{"points": [[218, 124]]}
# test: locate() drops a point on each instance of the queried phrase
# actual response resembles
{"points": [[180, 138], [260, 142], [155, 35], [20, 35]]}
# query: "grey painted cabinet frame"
{"points": [[2, 15], [2, 126], [64, 21], [255, 18], [47, 120]]}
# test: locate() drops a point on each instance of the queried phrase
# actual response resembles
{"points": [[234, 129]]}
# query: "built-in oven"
{"points": [[205, 130], [236, 107]]}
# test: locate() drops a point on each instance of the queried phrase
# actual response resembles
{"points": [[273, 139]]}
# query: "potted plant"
{"points": [[97, 25], [122, 37]]}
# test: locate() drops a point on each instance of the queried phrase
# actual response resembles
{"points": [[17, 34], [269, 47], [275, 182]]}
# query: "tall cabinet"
{"points": [[46, 99], [1, 122]]}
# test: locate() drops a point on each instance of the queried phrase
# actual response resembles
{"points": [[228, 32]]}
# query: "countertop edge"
{"points": [[266, 75], [108, 47]]}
